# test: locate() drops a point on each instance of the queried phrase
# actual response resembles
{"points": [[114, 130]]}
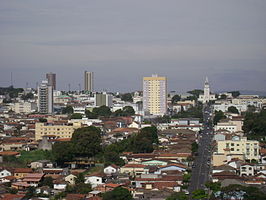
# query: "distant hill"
{"points": [[260, 93]]}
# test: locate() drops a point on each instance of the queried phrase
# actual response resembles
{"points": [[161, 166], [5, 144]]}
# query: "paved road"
{"points": [[201, 166]]}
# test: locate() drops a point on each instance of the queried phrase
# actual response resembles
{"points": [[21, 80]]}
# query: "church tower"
{"points": [[206, 97]]}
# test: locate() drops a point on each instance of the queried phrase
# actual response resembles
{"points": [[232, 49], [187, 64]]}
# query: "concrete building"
{"points": [[88, 81], [103, 99], [238, 145], [25, 107], [155, 95], [45, 98], [207, 96], [229, 126], [57, 130], [51, 77]]}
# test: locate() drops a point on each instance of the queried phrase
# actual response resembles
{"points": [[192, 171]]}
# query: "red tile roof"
{"points": [[23, 170]]}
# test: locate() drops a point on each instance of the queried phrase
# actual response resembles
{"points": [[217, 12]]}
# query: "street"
{"points": [[201, 166]]}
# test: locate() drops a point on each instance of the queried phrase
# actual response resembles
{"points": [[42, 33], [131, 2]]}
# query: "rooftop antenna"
{"points": [[11, 79], [37, 85]]}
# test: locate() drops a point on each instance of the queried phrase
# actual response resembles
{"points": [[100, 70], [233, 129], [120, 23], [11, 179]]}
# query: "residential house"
{"points": [[132, 169], [70, 179], [22, 172], [94, 179], [247, 169], [111, 169]]}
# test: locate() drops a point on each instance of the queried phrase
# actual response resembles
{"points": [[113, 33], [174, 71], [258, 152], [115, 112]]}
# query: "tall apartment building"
{"points": [[88, 81], [45, 98], [51, 77], [155, 95], [103, 99]]}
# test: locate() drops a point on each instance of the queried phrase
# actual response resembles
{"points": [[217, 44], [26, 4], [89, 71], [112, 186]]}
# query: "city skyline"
{"points": [[123, 41]]}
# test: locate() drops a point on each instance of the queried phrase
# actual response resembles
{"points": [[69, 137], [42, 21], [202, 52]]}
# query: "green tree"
{"points": [[76, 116], [63, 151], [67, 110], [27, 96], [47, 181], [218, 116], [177, 196], [233, 109], [150, 133], [214, 186], [142, 145], [199, 194], [102, 111], [194, 147], [118, 193], [128, 111], [87, 141], [91, 115], [31, 192], [235, 93], [255, 124], [176, 98], [196, 92], [112, 157], [127, 97], [223, 96]]}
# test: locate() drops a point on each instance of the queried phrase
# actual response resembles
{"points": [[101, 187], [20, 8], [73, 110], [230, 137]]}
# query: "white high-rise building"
{"points": [[207, 96], [88, 81], [155, 95], [45, 98]]}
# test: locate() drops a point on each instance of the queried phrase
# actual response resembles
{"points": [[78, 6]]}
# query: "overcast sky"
{"points": [[123, 40]]}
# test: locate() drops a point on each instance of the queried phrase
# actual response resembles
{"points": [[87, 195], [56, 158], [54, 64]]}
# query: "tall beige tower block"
{"points": [[88, 81], [155, 95]]}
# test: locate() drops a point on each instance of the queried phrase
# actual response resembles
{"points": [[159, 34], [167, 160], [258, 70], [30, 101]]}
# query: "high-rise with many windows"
{"points": [[51, 77], [88, 81], [155, 95], [45, 98]]}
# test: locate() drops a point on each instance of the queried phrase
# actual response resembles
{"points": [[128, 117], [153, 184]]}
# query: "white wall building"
{"points": [[224, 107], [207, 96]]}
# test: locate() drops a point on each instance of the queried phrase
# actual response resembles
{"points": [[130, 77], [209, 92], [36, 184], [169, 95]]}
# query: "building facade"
{"points": [[88, 81], [45, 98], [238, 145], [51, 77], [56, 130], [155, 95], [103, 99]]}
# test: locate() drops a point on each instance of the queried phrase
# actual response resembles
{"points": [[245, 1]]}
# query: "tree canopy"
{"points": [[255, 123], [177, 196], [127, 97], [233, 109], [196, 92], [67, 110], [176, 98], [235, 93], [118, 193], [87, 141], [102, 111], [76, 116], [218, 116]]}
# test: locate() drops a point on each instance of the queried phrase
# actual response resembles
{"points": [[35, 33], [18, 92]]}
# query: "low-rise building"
{"points": [[58, 130]]}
